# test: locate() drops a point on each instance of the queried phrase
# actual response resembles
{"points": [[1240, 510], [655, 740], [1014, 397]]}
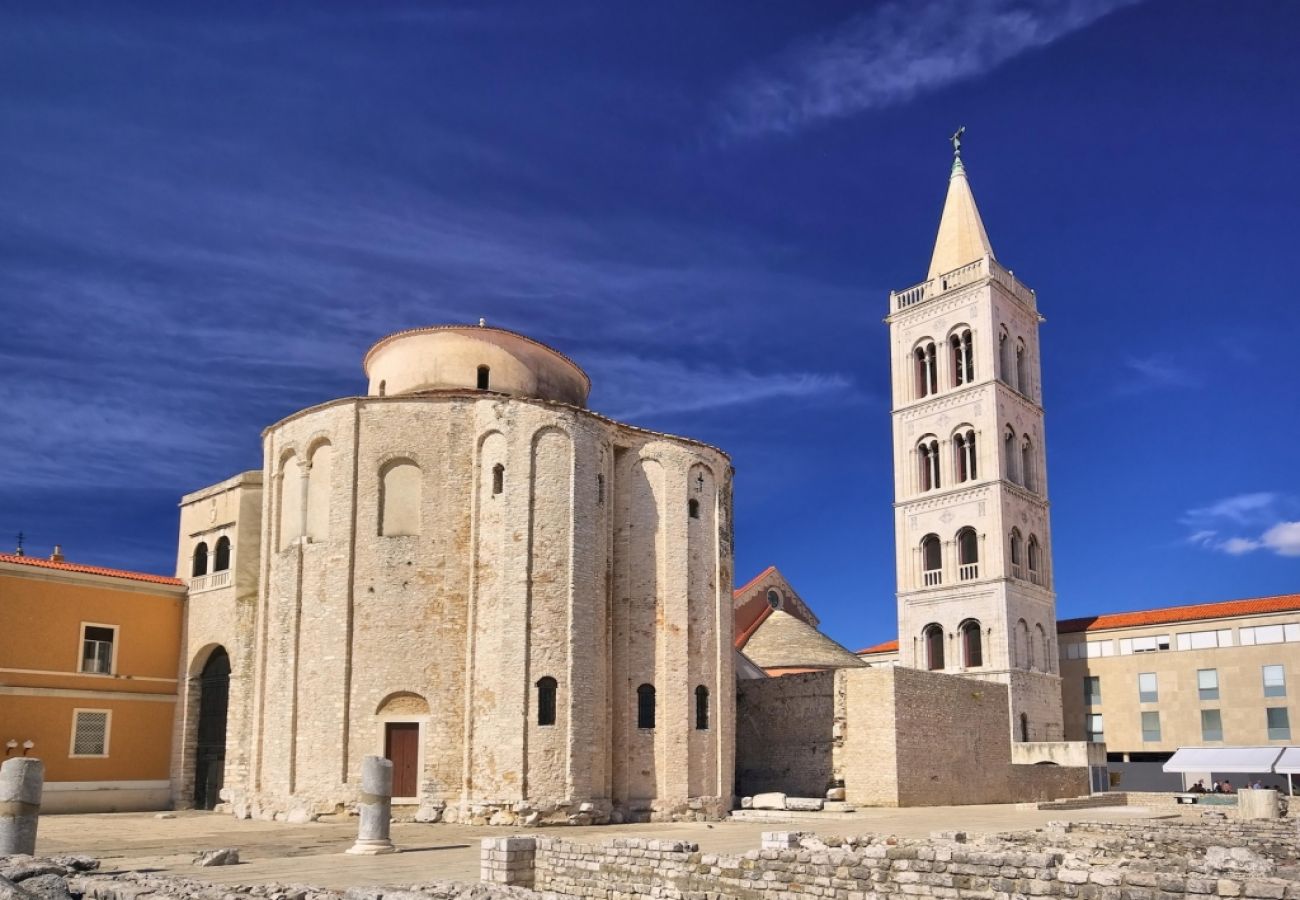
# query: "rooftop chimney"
{"points": [[57, 555]]}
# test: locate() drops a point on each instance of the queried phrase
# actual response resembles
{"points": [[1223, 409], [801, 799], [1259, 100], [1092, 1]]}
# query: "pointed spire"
{"points": [[961, 237]]}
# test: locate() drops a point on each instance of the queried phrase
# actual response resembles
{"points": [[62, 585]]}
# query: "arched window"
{"points": [[1027, 467], [1022, 368], [1017, 554], [1004, 356], [963, 448], [383, 388], [498, 478], [972, 644], [928, 456], [962, 358], [1040, 640], [221, 555], [484, 377], [968, 554], [774, 599], [1024, 727], [931, 560], [1034, 555], [290, 500], [1009, 453], [319, 472], [645, 706], [1024, 645], [546, 688], [693, 508], [927, 373], [399, 498], [200, 566], [934, 647], [701, 708]]}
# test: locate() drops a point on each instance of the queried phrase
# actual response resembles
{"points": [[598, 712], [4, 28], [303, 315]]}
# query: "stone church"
{"points": [[524, 604]]}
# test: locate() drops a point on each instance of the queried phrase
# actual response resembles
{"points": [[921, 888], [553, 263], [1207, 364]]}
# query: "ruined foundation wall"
{"points": [[784, 732]]}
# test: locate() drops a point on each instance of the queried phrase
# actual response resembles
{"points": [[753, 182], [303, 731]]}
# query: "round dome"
{"points": [[476, 357]]}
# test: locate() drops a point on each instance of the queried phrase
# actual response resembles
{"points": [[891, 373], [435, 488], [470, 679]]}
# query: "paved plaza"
{"points": [[313, 854]]}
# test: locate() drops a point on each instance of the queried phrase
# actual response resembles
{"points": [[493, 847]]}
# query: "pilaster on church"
{"points": [[970, 472]]}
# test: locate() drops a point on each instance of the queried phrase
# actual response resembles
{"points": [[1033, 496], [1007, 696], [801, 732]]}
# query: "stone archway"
{"points": [[210, 735]]}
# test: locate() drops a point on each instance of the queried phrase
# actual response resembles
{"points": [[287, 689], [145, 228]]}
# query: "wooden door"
{"points": [[402, 746]]}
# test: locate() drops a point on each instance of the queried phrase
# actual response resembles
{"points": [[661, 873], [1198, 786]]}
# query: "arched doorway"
{"points": [[210, 745]]}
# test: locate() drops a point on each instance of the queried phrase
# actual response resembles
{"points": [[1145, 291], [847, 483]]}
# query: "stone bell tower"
{"points": [[970, 475]]}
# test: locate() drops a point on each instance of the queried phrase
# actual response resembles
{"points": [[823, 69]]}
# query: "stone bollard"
{"points": [[1257, 804], [376, 807], [21, 780]]}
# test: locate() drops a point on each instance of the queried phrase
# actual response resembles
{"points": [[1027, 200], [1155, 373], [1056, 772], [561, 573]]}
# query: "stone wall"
{"points": [[784, 734]]}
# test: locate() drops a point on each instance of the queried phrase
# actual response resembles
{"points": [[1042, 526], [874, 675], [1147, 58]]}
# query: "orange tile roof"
{"points": [[753, 581], [886, 647], [743, 638], [1250, 607], [88, 570]]}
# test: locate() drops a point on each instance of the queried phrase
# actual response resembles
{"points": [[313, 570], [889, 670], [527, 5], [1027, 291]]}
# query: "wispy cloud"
{"points": [[1156, 372], [894, 53], [1245, 523]]}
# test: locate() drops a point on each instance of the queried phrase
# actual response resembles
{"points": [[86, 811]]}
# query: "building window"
{"points": [[1150, 727], [1207, 683], [1017, 553], [1269, 634], [546, 688], [1211, 725], [1205, 640], [1009, 454], [200, 565], [927, 378], [1024, 727], [928, 455], [933, 647], [972, 645], [221, 556], [963, 445], [1148, 688], [968, 554], [484, 377], [931, 560], [645, 706], [1279, 723], [1094, 728], [693, 508], [97, 649], [1150, 644], [701, 708], [90, 732], [600, 489], [1022, 368], [774, 599], [1274, 681], [1034, 557], [498, 478], [1004, 356], [1092, 690], [1027, 475], [963, 360]]}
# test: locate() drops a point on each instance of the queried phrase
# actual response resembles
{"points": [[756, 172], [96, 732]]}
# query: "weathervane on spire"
{"points": [[956, 140]]}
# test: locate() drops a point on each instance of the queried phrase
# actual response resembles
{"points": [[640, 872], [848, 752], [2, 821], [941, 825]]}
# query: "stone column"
{"points": [[376, 807], [1257, 804], [21, 780]]}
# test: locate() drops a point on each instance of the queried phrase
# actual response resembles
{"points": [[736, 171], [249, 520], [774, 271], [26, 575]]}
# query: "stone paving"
{"points": [[314, 853]]}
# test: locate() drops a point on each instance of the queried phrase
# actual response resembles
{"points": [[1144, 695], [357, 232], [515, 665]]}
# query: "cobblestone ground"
{"points": [[313, 854]]}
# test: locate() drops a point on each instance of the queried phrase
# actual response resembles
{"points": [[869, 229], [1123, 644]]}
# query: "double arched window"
{"points": [[972, 644], [931, 560], [961, 357], [933, 641], [927, 453], [963, 450], [968, 555], [925, 366]]}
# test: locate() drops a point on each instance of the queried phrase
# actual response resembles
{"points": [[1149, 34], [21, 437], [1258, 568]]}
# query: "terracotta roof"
{"points": [[886, 647], [753, 581], [1250, 607], [88, 570]]}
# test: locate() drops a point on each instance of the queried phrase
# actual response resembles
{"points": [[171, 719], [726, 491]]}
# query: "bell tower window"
{"points": [[927, 372]]}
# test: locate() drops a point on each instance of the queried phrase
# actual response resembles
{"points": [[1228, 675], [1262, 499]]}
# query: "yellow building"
{"points": [[88, 674]]}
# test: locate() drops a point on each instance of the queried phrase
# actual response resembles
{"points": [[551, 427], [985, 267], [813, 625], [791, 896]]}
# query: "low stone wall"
{"points": [[1028, 784]]}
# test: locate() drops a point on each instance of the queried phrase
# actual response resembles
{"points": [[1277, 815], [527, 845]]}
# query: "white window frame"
{"points": [[108, 734], [1155, 692], [1281, 684], [81, 647]]}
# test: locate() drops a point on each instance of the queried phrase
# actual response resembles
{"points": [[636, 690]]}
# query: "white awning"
{"points": [[1224, 759], [1289, 762]]}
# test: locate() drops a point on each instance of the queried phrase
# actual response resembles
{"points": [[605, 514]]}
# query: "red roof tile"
{"points": [[743, 638], [1250, 607], [886, 647], [753, 581], [88, 570]]}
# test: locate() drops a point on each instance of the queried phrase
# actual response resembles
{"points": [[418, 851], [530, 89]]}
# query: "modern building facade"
{"points": [[88, 680], [973, 536], [525, 605]]}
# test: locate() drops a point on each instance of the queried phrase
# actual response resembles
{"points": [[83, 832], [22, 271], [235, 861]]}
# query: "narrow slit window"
{"points": [[498, 478], [484, 377], [701, 708], [693, 508], [546, 690], [645, 706]]}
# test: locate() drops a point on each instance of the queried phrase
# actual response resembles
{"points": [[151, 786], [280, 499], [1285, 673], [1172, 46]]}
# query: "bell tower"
{"points": [[971, 518]]}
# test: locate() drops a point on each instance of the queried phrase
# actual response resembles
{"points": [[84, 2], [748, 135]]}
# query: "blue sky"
{"points": [[207, 214]]}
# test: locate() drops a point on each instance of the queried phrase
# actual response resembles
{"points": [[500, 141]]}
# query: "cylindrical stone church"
{"points": [[524, 605]]}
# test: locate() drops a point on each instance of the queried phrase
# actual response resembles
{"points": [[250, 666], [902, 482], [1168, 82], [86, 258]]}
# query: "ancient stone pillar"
{"points": [[376, 807], [21, 780], [1257, 804]]}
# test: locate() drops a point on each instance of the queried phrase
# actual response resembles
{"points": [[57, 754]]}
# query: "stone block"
{"points": [[804, 804], [771, 800]]}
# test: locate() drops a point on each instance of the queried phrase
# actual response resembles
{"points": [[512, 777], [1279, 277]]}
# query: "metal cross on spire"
{"points": [[956, 140]]}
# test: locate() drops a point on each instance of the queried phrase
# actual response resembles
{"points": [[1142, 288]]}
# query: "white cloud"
{"points": [[893, 53], [1259, 513], [1240, 508], [1239, 546], [1283, 539]]}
